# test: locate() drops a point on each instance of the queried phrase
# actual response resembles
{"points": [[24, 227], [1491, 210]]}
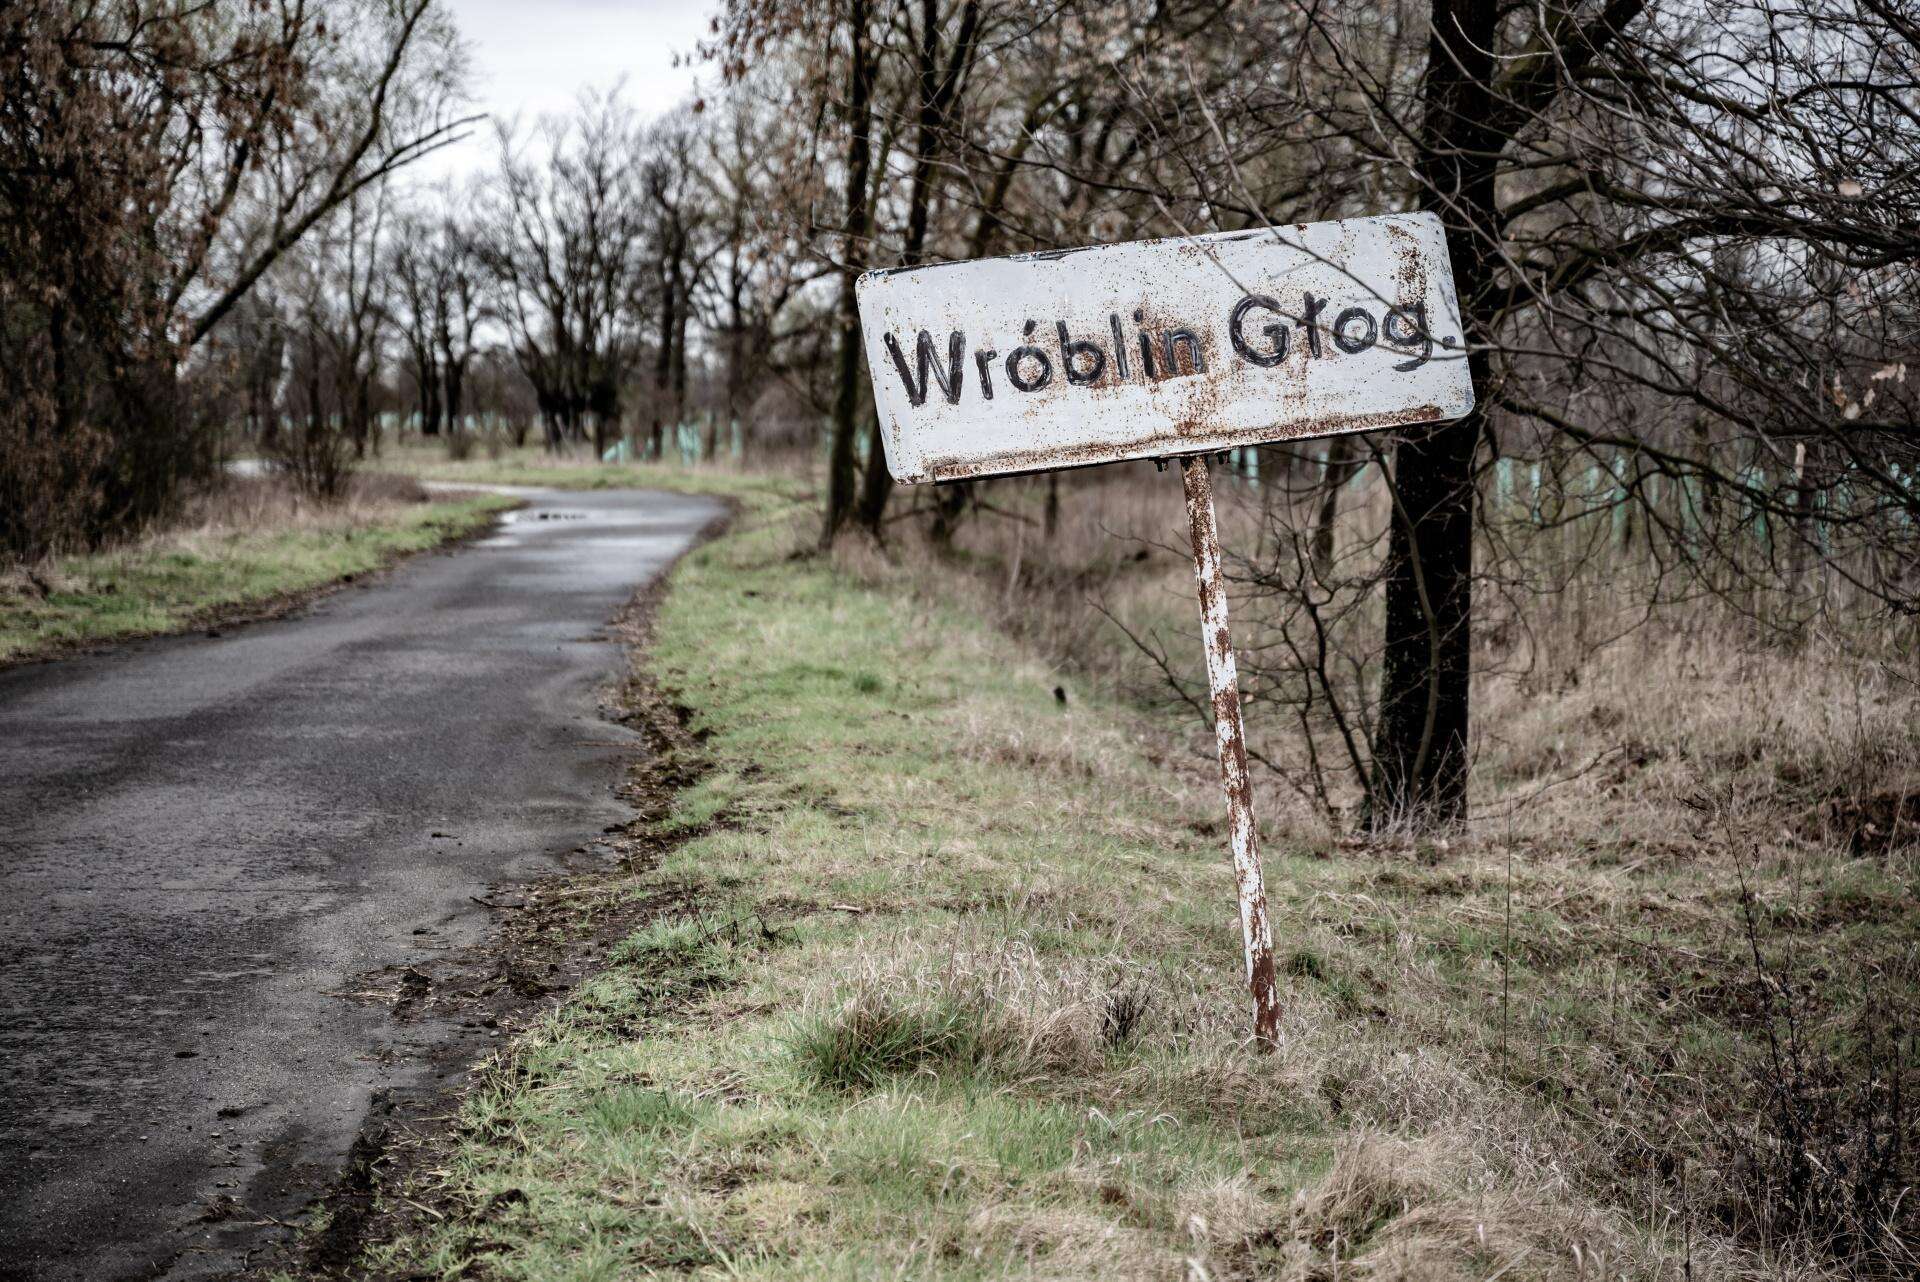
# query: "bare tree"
{"points": [[563, 242], [756, 173], [682, 250], [1684, 257], [416, 269], [158, 159]]}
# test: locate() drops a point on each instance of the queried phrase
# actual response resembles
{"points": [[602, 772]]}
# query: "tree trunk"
{"points": [[429, 376], [1421, 749], [949, 505], [938, 83], [362, 420], [680, 365], [846, 399], [455, 375], [368, 414], [736, 376], [1342, 458], [663, 355], [876, 485], [710, 441]]}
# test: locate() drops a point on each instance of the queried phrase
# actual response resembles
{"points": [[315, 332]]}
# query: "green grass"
{"points": [[180, 581], [987, 1019], [949, 985], [532, 466]]}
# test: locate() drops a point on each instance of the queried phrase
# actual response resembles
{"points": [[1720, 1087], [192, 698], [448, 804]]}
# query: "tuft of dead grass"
{"points": [[963, 1006]]}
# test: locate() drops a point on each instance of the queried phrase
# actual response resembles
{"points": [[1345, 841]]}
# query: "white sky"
{"points": [[534, 56]]}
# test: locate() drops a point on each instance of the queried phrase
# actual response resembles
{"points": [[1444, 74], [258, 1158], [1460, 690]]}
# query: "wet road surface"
{"points": [[204, 842]]}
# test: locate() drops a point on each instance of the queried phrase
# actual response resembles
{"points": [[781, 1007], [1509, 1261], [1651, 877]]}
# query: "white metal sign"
{"points": [[1164, 347]]}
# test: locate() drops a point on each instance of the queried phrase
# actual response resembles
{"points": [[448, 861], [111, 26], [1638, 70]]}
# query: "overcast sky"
{"points": [[534, 56]]}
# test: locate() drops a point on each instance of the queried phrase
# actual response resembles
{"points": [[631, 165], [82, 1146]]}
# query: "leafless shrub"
{"points": [[316, 457], [1828, 1155]]}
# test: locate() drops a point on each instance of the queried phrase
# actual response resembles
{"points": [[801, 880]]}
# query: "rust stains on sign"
{"points": [[1069, 358]]}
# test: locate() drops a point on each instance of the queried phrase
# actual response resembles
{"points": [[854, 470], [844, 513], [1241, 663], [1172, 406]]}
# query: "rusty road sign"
{"points": [[1163, 347], [1171, 349]]}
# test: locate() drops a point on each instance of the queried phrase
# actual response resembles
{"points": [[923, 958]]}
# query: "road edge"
{"points": [[267, 609], [538, 967]]}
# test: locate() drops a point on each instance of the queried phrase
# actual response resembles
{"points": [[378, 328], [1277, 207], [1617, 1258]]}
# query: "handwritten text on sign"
{"points": [[1163, 347]]}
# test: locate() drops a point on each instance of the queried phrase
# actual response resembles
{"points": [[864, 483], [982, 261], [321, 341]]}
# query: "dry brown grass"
{"points": [[999, 1029], [1682, 917], [251, 503]]}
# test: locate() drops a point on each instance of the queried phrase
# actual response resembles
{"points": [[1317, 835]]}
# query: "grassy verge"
{"points": [[944, 981], [532, 466], [233, 563]]}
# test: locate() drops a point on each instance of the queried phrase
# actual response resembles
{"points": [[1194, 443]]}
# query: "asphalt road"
{"points": [[205, 842]]}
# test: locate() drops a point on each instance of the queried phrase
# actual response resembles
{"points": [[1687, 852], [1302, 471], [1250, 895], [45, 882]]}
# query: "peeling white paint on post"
{"points": [[1223, 683], [1171, 349]]}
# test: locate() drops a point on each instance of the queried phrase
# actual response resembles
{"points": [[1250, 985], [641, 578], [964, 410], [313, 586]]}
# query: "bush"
{"points": [[49, 489], [316, 457]]}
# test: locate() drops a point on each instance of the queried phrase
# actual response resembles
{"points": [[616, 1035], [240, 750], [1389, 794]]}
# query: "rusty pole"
{"points": [[1223, 678]]}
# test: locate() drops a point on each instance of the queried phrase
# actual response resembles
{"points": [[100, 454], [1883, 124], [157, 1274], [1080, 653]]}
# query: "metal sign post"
{"points": [[1171, 349], [1223, 682]]}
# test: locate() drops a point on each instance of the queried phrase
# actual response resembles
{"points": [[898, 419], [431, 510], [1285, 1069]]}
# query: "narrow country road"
{"points": [[203, 841]]}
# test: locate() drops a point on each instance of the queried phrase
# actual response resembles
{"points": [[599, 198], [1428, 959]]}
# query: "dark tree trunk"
{"points": [[876, 485], [846, 399], [1342, 458], [1421, 750], [663, 356], [429, 376], [362, 419], [938, 83], [453, 374], [736, 375], [456, 397], [710, 438], [949, 505], [680, 367]]}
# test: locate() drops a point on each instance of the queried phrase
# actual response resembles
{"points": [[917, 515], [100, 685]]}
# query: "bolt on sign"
{"points": [[1176, 348]]}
